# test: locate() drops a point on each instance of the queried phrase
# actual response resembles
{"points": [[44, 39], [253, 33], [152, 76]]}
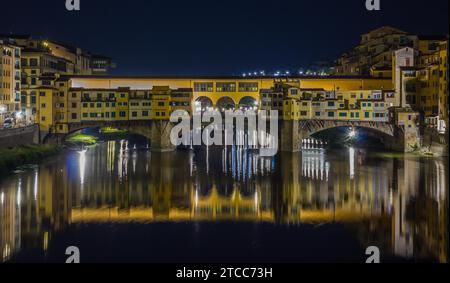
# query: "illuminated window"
{"points": [[225, 87], [203, 87], [248, 87]]}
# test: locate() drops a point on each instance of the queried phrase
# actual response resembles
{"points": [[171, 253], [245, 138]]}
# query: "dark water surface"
{"points": [[118, 202]]}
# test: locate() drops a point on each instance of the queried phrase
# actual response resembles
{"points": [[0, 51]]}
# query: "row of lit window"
{"points": [[122, 114], [107, 104], [340, 114], [225, 87]]}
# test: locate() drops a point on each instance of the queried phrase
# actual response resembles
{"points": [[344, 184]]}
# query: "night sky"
{"points": [[213, 37]]}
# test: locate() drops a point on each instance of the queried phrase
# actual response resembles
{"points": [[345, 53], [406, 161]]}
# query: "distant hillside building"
{"points": [[374, 53], [100, 65], [421, 80]]}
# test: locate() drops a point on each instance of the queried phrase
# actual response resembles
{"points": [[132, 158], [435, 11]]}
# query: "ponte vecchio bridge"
{"points": [[306, 105]]}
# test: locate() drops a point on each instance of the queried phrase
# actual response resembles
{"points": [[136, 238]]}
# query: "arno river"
{"points": [[117, 201]]}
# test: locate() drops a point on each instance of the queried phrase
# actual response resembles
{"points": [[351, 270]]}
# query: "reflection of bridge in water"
{"points": [[390, 201]]}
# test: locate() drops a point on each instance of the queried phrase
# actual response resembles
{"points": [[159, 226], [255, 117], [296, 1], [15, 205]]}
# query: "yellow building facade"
{"points": [[80, 99], [9, 78]]}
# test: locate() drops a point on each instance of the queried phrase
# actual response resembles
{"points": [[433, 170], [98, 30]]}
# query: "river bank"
{"points": [[10, 159]]}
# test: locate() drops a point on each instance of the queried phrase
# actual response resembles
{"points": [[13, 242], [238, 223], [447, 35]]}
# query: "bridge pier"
{"points": [[406, 134], [290, 136], [160, 136], [405, 139]]}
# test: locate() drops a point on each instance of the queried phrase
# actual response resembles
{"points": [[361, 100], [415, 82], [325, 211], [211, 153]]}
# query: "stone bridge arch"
{"points": [[311, 127], [204, 101], [294, 131], [157, 131], [226, 103], [248, 102]]}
